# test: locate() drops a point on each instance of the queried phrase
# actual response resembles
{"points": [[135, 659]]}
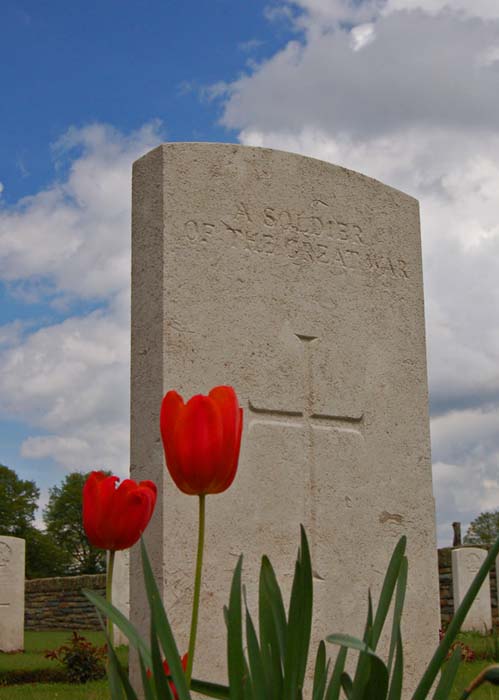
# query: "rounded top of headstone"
{"points": [[297, 161], [8, 546], [5, 553]]}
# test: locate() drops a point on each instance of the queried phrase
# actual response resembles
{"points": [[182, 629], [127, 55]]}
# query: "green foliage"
{"points": [[18, 503], [63, 521], [44, 557], [82, 660], [272, 664], [484, 529]]}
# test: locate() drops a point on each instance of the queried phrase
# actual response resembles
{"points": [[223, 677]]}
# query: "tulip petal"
{"points": [[98, 492], [202, 439], [115, 518], [130, 513], [171, 409], [231, 473], [199, 443]]}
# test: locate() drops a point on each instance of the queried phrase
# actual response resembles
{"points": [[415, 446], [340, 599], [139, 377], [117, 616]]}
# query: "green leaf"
{"points": [[299, 623], [440, 654], [363, 665], [377, 685], [235, 655], [448, 676], [386, 594], [334, 687], [274, 596], [120, 621], [163, 628], [398, 670], [346, 640], [147, 686], [269, 639], [255, 659], [397, 610], [120, 674], [320, 673], [373, 670], [211, 690], [346, 684], [161, 683]]}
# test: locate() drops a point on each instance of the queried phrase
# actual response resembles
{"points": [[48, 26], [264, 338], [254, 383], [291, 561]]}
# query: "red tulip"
{"points": [[166, 668], [202, 439], [115, 518]]}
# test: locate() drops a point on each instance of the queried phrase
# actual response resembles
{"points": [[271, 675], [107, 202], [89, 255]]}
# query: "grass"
{"points": [[38, 642], [466, 673], [95, 690]]}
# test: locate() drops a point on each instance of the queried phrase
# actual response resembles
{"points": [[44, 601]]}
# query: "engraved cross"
{"points": [[308, 417], [312, 421]]}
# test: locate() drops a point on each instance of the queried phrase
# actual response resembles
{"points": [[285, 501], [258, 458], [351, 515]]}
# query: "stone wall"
{"points": [[446, 595], [58, 603]]}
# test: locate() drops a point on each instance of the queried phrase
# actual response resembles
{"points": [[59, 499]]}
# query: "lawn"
{"points": [[36, 643]]}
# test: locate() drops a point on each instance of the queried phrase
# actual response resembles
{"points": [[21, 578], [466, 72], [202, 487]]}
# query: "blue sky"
{"points": [[406, 91]]}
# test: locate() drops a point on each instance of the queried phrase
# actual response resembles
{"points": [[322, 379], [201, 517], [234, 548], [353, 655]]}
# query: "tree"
{"points": [[64, 523], [484, 529], [44, 557], [18, 503]]}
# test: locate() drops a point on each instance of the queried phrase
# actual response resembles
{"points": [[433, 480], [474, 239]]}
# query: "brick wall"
{"points": [[446, 595], [58, 603]]}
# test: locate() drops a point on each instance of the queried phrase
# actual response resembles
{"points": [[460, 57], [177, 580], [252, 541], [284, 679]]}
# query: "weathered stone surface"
{"points": [[465, 564], [299, 283], [12, 558]]}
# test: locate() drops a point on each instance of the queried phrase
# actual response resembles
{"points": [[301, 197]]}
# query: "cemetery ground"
{"points": [[485, 647], [33, 660]]}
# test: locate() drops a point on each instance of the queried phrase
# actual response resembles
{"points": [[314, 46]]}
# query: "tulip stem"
{"points": [[197, 590], [109, 592]]}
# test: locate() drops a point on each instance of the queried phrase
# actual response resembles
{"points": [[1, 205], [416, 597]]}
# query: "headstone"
{"points": [[300, 284], [466, 562], [121, 590], [12, 556]]}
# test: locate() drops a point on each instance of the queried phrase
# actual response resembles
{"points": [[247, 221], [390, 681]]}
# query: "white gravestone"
{"points": [[12, 557], [300, 284], [466, 562], [121, 590]]}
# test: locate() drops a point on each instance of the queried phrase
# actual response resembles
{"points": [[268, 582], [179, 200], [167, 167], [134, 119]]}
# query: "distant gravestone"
{"points": [[12, 558], [466, 562], [121, 590], [299, 283]]}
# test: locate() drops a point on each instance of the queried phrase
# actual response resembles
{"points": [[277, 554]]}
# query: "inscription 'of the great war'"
{"points": [[313, 237]]}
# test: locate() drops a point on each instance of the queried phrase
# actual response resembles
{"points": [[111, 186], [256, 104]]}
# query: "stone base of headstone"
{"points": [[12, 568]]}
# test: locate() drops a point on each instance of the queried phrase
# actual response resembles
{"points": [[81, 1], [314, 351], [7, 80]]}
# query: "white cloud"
{"points": [[324, 14], [70, 380], [362, 35], [76, 232], [486, 9]]}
